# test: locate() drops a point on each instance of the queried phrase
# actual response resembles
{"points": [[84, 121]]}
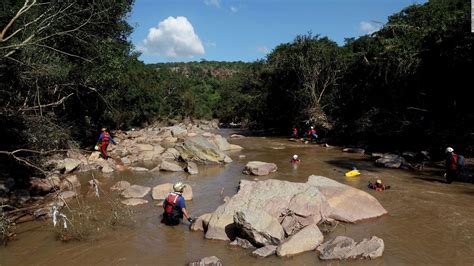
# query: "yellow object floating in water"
{"points": [[353, 173]]}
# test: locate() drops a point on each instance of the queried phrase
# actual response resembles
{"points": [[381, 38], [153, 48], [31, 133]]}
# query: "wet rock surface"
{"points": [[259, 168], [342, 248]]}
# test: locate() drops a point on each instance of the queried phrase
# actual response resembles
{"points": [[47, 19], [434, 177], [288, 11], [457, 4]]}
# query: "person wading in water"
{"points": [[174, 206]]}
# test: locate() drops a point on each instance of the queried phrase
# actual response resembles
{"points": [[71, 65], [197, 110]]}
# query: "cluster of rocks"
{"points": [[176, 148], [281, 217], [134, 194], [407, 160]]}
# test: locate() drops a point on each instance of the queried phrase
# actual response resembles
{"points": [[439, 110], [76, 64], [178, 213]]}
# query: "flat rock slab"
{"points": [[170, 166], [160, 192], [307, 239], [259, 168], [265, 251], [134, 202], [135, 191], [139, 169], [343, 248], [68, 195]]}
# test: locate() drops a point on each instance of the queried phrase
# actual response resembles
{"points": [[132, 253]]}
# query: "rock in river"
{"points": [[259, 168], [343, 247], [135, 191], [259, 227], [306, 239]]}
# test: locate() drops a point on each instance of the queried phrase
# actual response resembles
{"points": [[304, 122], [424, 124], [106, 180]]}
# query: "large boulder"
{"points": [[342, 248], [346, 203], [170, 166], [160, 192], [259, 227], [273, 196], [68, 165], [295, 205], [200, 149], [135, 191], [390, 161], [259, 168], [306, 239]]}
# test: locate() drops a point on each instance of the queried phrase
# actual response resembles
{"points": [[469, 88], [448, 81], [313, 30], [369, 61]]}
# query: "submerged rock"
{"points": [[120, 186], [135, 191], [343, 247], [390, 161], [134, 202], [259, 168], [353, 150], [207, 261]]}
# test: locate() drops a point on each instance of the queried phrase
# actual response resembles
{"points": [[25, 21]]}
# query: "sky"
{"points": [[247, 30]]}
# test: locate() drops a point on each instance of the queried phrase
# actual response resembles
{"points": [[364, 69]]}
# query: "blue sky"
{"points": [[245, 30]]}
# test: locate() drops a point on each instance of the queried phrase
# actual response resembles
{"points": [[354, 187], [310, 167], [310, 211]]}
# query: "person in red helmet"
{"points": [[103, 142]]}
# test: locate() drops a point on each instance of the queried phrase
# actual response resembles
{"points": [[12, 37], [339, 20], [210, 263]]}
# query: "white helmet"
{"points": [[312, 127], [179, 187], [449, 149], [379, 181], [295, 157]]}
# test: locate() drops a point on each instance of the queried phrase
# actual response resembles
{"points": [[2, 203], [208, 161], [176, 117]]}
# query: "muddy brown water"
{"points": [[429, 222]]}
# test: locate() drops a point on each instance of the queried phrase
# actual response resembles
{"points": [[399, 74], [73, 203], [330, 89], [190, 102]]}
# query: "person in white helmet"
{"points": [[311, 135], [295, 159], [378, 185], [452, 165], [175, 207]]}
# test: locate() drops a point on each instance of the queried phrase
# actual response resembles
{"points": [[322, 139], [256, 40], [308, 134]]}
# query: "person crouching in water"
{"points": [[103, 142], [378, 185], [295, 159], [175, 207]]}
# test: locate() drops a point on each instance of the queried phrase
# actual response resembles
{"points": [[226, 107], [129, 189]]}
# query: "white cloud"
{"points": [[234, 9], [262, 49], [174, 38], [216, 3], [368, 27]]}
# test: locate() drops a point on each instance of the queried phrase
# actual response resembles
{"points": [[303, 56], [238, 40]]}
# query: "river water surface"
{"points": [[428, 221]]}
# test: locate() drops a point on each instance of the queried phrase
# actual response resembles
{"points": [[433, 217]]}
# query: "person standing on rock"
{"points": [[174, 206], [103, 142]]}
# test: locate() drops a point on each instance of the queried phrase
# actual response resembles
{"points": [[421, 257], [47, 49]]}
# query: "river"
{"points": [[429, 222]]}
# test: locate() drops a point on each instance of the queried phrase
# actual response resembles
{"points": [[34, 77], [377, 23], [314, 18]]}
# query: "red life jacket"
{"points": [[454, 162], [105, 137], [171, 206]]}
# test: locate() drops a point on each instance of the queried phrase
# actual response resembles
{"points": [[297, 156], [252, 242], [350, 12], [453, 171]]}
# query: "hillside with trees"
{"points": [[67, 68]]}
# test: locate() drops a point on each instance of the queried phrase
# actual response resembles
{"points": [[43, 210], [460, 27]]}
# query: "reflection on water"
{"points": [[429, 222]]}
